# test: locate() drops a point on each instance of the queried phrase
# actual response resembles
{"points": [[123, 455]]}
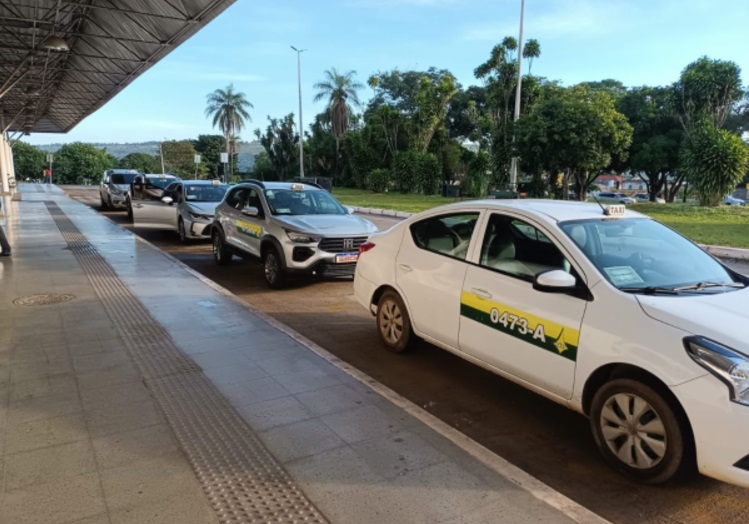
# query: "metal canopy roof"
{"points": [[110, 43]]}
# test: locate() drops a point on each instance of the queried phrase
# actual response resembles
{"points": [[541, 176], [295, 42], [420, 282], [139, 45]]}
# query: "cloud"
{"points": [[558, 18]]}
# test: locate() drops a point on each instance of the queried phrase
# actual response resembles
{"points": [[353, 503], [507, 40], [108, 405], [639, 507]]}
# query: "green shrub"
{"points": [[379, 180]]}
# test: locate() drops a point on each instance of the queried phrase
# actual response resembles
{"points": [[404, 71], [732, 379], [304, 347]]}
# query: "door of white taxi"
{"points": [[430, 268], [148, 209], [530, 334]]}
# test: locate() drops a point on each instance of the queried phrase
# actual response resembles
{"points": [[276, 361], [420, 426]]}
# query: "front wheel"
{"points": [[393, 323], [221, 253], [181, 231], [103, 204], [129, 206], [638, 432], [273, 269]]}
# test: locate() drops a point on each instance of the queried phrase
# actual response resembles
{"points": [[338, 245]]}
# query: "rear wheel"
{"points": [[638, 432], [221, 253], [393, 323], [273, 270], [129, 206], [103, 204]]}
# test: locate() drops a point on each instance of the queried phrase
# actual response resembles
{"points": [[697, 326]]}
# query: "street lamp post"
{"points": [[514, 168], [301, 126]]}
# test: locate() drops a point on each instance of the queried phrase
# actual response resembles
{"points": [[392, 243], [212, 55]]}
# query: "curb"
{"points": [[733, 253]]}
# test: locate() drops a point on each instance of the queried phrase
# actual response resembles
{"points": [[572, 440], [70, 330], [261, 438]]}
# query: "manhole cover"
{"points": [[43, 300]]}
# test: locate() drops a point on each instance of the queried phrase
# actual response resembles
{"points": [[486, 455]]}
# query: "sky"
{"points": [[639, 42]]}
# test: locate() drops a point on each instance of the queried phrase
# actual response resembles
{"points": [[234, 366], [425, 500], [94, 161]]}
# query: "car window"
{"points": [[641, 253], [303, 202], [446, 234], [518, 248], [236, 197], [119, 178]]}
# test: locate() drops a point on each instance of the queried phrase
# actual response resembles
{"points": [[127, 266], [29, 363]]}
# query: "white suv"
{"points": [[115, 186], [294, 228]]}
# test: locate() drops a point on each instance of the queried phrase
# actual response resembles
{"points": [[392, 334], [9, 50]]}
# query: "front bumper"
{"points": [[199, 229], [310, 259], [720, 428], [118, 201]]}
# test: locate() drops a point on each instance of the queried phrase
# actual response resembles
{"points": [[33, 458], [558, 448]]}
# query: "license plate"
{"points": [[344, 258]]}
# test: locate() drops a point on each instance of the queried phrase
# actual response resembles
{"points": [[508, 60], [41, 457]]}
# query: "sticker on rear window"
{"points": [[623, 276]]}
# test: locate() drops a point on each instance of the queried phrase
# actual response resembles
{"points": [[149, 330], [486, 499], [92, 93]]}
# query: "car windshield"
{"points": [[119, 178], [640, 254], [205, 192], [303, 202], [159, 182]]}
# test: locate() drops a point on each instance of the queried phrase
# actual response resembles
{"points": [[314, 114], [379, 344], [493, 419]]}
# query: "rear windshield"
{"points": [[117, 178]]}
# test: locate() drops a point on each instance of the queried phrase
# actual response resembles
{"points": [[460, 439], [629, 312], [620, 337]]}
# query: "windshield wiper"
{"points": [[702, 285], [651, 290]]}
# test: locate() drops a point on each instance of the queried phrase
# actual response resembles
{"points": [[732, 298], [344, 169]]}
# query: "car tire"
{"points": [[181, 231], [103, 204], [129, 206], [639, 432], [221, 253], [273, 270], [393, 323]]}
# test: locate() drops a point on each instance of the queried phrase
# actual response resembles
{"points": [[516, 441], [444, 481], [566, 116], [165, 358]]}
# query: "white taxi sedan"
{"points": [[603, 310]]}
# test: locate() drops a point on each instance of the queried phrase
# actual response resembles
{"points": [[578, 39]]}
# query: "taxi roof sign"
{"points": [[614, 210], [297, 187], [215, 181]]}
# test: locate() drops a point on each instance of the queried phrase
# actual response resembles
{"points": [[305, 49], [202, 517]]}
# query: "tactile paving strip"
{"points": [[241, 479]]}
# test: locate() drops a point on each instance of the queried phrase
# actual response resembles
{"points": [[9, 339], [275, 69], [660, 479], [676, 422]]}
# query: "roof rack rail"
{"points": [[252, 181]]}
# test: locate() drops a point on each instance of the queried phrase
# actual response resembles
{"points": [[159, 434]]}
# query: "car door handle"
{"points": [[405, 268], [481, 293]]}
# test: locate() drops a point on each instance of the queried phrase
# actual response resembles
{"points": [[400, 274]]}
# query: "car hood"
{"points": [[328, 224], [720, 317], [203, 208]]}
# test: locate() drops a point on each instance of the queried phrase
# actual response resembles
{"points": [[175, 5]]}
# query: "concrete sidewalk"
{"points": [[133, 390]]}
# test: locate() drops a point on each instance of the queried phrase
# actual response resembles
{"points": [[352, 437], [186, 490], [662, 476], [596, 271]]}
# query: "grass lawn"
{"points": [[721, 226]]}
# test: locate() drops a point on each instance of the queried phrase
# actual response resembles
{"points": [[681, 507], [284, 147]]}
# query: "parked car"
{"points": [[115, 186], [732, 201], [644, 197], [185, 207], [608, 197], [607, 312], [294, 228], [146, 189]]}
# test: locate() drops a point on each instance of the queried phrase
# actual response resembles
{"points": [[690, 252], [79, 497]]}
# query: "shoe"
{"points": [[5, 254]]}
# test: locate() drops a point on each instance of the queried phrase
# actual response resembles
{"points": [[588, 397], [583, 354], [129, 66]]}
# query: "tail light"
{"points": [[366, 246]]}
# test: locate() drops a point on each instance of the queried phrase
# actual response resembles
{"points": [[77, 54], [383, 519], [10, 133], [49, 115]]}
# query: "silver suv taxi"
{"points": [[115, 186], [293, 228]]}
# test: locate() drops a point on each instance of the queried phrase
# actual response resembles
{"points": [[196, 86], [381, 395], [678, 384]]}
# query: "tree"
{"points": [[431, 102], [143, 162], [656, 139], [531, 50], [341, 92], [28, 161], [229, 111], [210, 148], [574, 131], [714, 160], [282, 145], [399, 89], [179, 158], [707, 89], [77, 162]]}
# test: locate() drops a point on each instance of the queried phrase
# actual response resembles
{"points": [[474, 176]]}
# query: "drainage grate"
{"points": [[44, 299], [241, 479]]}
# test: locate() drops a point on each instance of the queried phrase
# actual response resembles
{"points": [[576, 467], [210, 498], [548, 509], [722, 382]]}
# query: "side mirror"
{"points": [[250, 211], [350, 210], [167, 200], [554, 281]]}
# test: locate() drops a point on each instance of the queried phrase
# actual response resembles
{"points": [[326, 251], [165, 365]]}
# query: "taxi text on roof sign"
{"points": [[614, 211], [297, 187]]}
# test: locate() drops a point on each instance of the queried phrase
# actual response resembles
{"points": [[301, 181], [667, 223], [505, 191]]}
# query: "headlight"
{"points": [[727, 364], [114, 190], [302, 238], [197, 216]]}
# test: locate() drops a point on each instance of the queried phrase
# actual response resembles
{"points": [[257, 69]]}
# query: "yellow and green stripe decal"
{"points": [[556, 338], [252, 230]]}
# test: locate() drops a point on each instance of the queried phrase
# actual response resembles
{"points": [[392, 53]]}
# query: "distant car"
{"points": [[186, 207], [608, 197], [115, 186], [732, 201], [294, 228], [644, 197], [147, 188]]}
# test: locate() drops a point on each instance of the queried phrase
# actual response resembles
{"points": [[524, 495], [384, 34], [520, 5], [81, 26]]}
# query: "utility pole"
{"points": [[301, 126], [161, 156], [518, 91]]}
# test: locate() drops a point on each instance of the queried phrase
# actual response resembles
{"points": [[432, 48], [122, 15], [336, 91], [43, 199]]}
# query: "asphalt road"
{"points": [[537, 435]]}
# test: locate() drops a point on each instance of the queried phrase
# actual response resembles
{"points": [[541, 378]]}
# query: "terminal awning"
{"points": [[60, 60]]}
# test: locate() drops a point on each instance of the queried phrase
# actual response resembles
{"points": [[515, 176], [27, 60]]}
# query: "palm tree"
{"points": [[340, 90], [531, 50], [229, 111]]}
